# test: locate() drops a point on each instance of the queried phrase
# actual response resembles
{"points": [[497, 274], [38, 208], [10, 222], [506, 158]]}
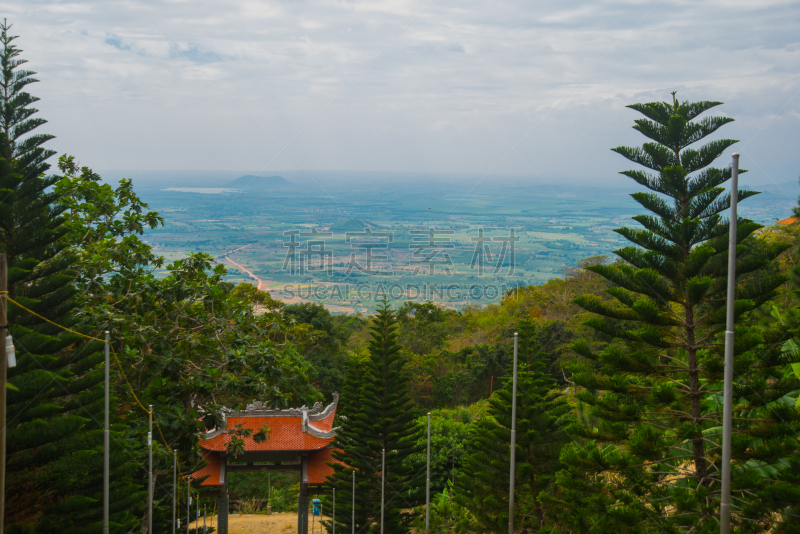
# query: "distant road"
{"points": [[242, 267], [277, 293]]}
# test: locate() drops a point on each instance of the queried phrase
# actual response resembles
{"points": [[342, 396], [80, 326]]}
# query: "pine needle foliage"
{"points": [[381, 417], [542, 412], [350, 443], [657, 387], [55, 410]]}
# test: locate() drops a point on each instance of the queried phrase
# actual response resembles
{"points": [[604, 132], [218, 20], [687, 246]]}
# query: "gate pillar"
{"points": [[222, 500], [302, 509]]}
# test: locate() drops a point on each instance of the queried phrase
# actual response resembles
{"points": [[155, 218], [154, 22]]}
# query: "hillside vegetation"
{"points": [[618, 407]]}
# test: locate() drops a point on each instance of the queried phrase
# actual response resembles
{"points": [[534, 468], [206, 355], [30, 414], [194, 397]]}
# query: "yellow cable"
{"points": [[119, 364], [87, 337]]}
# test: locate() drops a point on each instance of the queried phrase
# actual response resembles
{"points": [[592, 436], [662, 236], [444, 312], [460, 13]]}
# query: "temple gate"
{"points": [[300, 440]]}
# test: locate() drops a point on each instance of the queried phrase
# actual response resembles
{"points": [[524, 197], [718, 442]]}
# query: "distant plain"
{"points": [[339, 222]]}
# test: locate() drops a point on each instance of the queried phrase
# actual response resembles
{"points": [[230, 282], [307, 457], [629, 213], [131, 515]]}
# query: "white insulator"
{"points": [[11, 355]]}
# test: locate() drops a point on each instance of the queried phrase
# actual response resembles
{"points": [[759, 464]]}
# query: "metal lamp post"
{"points": [[174, 488], [188, 504], [106, 442], [428, 482], [150, 474], [383, 483], [727, 411], [513, 440], [353, 511]]}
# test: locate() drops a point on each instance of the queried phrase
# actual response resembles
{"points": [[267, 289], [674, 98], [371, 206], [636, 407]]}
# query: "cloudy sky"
{"points": [[492, 88]]}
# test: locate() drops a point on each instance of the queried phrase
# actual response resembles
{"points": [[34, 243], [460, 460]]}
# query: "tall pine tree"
{"points": [[381, 418], [657, 386], [348, 439], [54, 477], [542, 418]]}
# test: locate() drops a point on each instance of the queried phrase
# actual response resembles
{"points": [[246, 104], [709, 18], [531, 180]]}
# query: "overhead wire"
{"points": [[116, 359]]}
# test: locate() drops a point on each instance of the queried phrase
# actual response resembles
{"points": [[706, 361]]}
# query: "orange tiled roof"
{"points": [[300, 429], [318, 468], [789, 220], [287, 434], [212, 469]]}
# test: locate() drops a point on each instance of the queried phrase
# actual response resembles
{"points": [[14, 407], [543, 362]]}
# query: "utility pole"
{"points": [[727, 411], [3, 380], [428, 482], [150, 474], [174, 487], [106, 443], [383, 483], [353, 520], [188, 504], [513, 440]]}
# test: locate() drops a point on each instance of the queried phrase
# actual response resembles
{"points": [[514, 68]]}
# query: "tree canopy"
{"points": [[620, 361]]}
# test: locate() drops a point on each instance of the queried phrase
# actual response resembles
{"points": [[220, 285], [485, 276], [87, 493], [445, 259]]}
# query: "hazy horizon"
{"points": [[212, 178], [412, 86]]}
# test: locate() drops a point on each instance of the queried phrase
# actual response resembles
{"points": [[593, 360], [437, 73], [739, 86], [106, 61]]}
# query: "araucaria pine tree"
{"points": [[483, 486], [381, 419], [55, 436], [657, 385], [348, 439]]}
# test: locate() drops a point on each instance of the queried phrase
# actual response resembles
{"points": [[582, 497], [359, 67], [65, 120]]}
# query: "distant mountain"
{"points": [[261, 183], [354, 225]]}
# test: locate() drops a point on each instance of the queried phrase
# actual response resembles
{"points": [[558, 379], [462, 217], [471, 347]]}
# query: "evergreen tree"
{"points": [[482, 488], [55, 406], [384, 421], [349, 441], [657, 387]]}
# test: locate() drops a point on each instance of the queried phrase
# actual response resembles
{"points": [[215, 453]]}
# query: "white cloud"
{"points": [[400, 84]]}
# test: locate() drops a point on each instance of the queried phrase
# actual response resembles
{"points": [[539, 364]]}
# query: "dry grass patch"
{"points": [[283, 523]]}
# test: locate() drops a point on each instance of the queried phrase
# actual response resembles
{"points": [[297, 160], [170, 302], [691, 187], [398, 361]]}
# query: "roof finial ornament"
{"points": [[257, 405]]}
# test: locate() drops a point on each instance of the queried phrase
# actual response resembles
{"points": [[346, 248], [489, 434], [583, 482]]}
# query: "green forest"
{"points": [[619, 403]]}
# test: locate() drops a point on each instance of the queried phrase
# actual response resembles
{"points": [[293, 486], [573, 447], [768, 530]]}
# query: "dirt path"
{"points": [[262, 285], [242, 267], [277, 293], [248, 273], [285, 523]]}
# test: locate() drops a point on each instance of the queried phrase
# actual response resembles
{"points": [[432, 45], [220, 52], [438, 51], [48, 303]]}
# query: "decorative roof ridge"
{"points": [[322, 434], [214, 433], [221, 429], [260, 409], [329, 409]]}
